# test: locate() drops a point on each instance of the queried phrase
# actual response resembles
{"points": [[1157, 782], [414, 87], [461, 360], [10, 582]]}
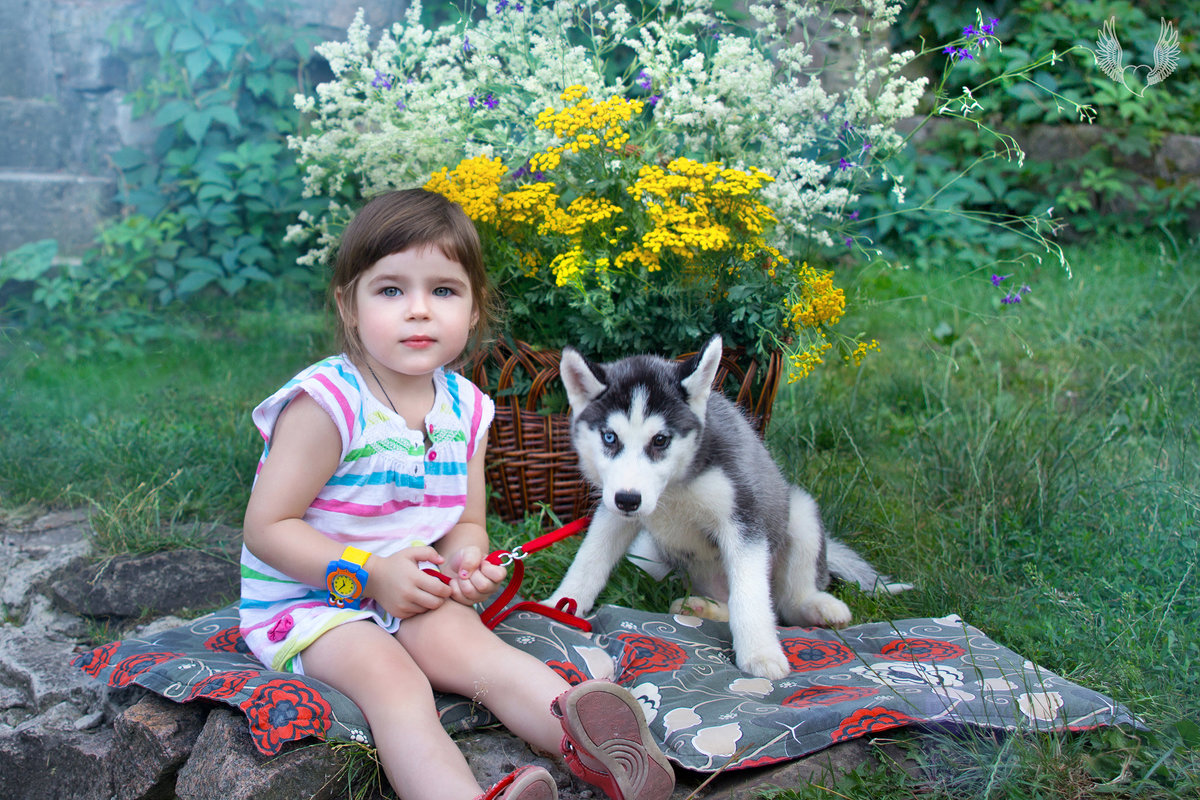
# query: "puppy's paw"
{"points": [[770, 664], [827, 611], [703, 607], [580, 607]]}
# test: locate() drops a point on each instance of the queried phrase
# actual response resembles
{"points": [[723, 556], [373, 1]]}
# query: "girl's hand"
{"points": [[398, 584], [474, 578]]}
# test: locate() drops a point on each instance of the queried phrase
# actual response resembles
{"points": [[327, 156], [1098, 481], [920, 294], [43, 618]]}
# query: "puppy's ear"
{"points": [[697, 373], [583, 380]]}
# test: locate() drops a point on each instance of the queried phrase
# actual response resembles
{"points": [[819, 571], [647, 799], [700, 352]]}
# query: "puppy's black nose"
{"points": [[628, 501]]}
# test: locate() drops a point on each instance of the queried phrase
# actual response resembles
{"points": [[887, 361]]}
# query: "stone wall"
{"points": [[62, 108]]}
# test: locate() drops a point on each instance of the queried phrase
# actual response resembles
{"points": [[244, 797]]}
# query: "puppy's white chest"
{"points": [[689, 515]]}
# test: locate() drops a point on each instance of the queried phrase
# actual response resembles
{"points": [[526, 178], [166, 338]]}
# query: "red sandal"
{"points": [[527, 783], [606, 742]]}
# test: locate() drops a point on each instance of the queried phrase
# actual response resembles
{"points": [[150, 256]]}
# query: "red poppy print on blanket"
{"points": [[828, 695], [870, 720], [645, 654], [93, 662], [805, 655], [283, 710], [128, 668], [921, 650], [225, 641], [222, 685]]}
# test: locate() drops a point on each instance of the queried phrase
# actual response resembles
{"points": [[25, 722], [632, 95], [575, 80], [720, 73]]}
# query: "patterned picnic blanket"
{"points": [[706, 714]]}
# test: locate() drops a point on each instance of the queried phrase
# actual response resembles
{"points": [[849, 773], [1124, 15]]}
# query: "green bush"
{"points": [[220, 180], [1096, 191]]}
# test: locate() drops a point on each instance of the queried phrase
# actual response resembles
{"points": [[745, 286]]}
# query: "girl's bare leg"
{"points": [[367, 664], [459, 654]]}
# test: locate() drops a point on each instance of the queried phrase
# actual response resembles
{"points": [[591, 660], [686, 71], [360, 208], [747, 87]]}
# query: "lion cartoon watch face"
{"points": [[346, 579]]}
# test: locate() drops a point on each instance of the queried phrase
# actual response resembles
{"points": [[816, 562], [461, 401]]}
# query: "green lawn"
{"points": [[1034, 468]]}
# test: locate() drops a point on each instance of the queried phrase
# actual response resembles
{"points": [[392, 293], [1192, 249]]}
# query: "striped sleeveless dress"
{"points": [[389, 492]]}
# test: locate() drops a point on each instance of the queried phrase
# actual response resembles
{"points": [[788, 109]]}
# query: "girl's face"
{"points": [[413, 312]]}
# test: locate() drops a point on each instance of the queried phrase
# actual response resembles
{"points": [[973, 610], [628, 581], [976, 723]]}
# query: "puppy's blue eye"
{"points": [[608, 437]]}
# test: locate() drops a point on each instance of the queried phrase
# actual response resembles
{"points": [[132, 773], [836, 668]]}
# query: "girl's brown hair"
{"points": [[396, 221]]}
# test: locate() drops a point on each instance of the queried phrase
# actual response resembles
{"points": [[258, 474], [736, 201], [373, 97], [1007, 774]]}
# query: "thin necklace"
{"points": [[428, 440], [385, 394]]}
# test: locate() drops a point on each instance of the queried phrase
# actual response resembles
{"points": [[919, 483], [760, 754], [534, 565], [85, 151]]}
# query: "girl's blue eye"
{"points": [[443, 291], [391, 291]]}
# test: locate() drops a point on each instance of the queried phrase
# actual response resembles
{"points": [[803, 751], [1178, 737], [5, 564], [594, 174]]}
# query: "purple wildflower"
{"points": [[518, 7], [866, 146], [849, 242], [466, 45], [400, 105], [381, 81], [471, 101], [969, 31], [644, 80], [988, 27], [999, 279], [503, 4], [1011, 298], [490, 101], [844, 165], [653, 99], [853, 214]]}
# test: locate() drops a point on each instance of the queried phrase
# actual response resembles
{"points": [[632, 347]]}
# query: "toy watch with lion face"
{"points": [[346, 579]]}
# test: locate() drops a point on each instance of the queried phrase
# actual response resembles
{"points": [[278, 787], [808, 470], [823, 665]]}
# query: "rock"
{"points": [[163, 583], [493, 753], [34, 549], [824, 766], [63, 734], [225, 766], [37, 763], [36, 671], [154, 738]]}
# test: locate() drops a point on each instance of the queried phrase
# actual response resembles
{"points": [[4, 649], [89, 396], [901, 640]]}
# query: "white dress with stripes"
{"points": [[389, 492]]}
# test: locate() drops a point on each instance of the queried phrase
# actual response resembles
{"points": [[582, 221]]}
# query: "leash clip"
{"points": [[509, 556], [505, 558]]}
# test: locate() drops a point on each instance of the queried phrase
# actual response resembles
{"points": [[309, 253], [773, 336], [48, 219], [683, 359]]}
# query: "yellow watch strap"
{"points": [[355, 556]]}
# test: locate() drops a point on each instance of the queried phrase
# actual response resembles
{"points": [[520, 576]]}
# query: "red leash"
{"points": [[563, 612]]}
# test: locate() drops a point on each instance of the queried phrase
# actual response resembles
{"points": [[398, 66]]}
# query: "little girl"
{"points": [[372, 477]]}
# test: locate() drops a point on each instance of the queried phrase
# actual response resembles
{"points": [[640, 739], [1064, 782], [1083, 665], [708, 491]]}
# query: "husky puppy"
{"points": [[673, 458]]}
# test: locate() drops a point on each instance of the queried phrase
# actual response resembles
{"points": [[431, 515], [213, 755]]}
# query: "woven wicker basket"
{"points": [[530, 460]]}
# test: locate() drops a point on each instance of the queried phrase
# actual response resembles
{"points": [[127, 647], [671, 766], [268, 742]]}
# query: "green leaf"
{"points": [[254, 273], [187, 40], [197, 63], [222, 54], [162, 40], [231, 37], [29, 261], [202, 264], [128, 158], [226, 115], [172, 112], [194, 281], [196, 124]]}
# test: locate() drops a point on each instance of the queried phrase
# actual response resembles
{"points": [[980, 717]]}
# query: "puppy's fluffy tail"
{"points": [[850, 566]]}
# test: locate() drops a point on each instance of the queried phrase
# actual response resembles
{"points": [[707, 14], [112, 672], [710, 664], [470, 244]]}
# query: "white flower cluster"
{"points": [[755, 94]]}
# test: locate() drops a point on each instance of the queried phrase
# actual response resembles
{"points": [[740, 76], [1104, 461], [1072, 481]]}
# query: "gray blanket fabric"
{"points": [[705, 712]]}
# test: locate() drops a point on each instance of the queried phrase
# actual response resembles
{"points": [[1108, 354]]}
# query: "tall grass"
{"points": [[1034, 468]]}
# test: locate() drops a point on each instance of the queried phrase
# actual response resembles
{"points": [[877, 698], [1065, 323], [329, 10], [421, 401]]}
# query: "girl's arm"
{"points": [[305, 451], [465, 546]]}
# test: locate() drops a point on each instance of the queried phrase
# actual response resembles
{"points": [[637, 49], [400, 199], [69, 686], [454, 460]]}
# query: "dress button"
{"points": [[433, 455]]}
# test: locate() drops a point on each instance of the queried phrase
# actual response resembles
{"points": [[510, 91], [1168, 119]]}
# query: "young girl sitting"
{"points": [[372, 474]]}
